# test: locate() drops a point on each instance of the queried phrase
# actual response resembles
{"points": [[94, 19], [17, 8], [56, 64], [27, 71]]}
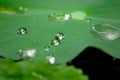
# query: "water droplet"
{"points": [[88, 20], [59, 36], [51, 59], [22, 31], [27, 53], [55, 42], [59, 17], [22, 9], [105, 31], [67, 17], [47, 49]]}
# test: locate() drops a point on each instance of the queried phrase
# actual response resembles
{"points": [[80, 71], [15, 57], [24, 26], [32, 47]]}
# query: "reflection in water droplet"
{"points": [[55, 42], [51, 59], [22, 31], [47, 49], [59, 36], [105, 31], [27, 53], [59, 17]]}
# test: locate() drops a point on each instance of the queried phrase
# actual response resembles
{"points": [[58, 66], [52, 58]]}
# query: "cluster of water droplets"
{"points": [[103, 31], [55, 42], [59, 17], [57, 39]]}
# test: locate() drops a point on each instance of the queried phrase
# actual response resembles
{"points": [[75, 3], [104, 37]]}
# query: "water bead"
{"points": [[105, 31], [27, 53]]}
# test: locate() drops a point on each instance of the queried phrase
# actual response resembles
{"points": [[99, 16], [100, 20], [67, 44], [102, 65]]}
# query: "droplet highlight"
{"points": [[59, 36], [27, 53], [22, 31], [51, 59], [55, 42], [105, 31], [59, 17]]}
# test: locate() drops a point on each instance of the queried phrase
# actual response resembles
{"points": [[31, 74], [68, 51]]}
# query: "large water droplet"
{"points": [[59, 17], [27, 53], [106, 31], [22, 31], [47, 48], [59, 36], [51, 59], [55, 42]]}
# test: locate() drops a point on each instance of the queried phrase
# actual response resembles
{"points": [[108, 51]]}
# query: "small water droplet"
{"points": [[22, 31], [59, 36], [27, 53], [88, 20], [67, 17], [105, 31], [55, 42], [59, 17], [22, 9], [51, 59], [47, 49]]}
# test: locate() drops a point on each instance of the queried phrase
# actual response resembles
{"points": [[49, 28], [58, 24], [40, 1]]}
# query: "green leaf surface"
{"points": [[40, 30]]}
